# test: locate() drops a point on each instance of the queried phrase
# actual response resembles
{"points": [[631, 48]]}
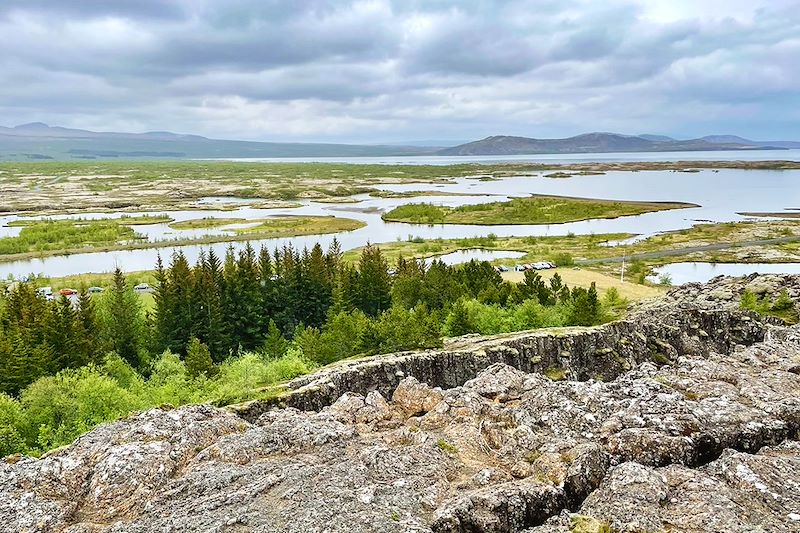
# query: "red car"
{"points": [[67, 292]]}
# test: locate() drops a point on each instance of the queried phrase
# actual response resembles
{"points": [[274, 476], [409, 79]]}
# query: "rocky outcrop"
{"points": [[704, 439], [600, 353], [723, 292]]}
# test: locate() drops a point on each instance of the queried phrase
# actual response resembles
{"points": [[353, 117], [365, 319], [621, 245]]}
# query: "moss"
{"points": [[588, 524], [446, 447], [556, 373], [660, 359]]}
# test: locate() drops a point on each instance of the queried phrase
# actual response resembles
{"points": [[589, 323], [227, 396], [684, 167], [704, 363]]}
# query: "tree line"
{"points": [[249, 301], [223, 329]]}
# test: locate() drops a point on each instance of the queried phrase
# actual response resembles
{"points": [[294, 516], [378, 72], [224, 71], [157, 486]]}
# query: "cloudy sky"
{"points": [[383, 70]]}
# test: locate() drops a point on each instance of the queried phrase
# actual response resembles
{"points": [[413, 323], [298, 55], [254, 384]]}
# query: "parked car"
{"points": [[68, 292], [502, 268], [46, 293], [142, 287], [521, 268], [94, 290]]}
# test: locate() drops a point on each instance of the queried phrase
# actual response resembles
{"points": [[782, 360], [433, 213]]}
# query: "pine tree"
{"points": [[210, 324], [243, 299], [275, 345], [458, 321], [123, 320], [374, 284], [181, 291], [198, 359]]}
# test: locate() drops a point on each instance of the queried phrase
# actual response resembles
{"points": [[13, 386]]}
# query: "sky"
{"points": [[370, 71]]}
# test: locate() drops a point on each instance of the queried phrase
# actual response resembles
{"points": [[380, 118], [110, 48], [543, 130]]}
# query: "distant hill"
{"points": [[589, 143], [650, 137], [37, 142], [741, 140]]}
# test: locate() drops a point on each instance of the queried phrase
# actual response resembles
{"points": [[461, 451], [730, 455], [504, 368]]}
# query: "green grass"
{"points": [[125, 220], [533, 210], [64, 237], [207, 222], [57, 235], [144, 220], [290, 226]]}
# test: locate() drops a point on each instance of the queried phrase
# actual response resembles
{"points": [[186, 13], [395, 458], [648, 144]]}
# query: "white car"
{"points": [[46, 293], [142, 287]]}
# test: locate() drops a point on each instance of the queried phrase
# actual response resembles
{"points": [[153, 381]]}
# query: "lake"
{"points": [[720, 193], [689, 272], [722, 155]]}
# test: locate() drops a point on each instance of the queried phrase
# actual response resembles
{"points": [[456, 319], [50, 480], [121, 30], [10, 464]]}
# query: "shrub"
{"points": [[198, 359], [563, 259]]}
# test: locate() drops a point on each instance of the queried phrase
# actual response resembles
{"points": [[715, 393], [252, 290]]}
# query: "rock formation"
{"points": [[684, 417]]}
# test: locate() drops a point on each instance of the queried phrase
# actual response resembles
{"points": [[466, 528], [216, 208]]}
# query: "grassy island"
{"points": [[531, 210]]}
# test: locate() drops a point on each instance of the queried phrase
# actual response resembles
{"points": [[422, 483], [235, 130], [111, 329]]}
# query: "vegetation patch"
{"points": [[532, 210], [783, 307], [71, 234], [55, 237], [235, 328], [290, 226], [207, 222]]}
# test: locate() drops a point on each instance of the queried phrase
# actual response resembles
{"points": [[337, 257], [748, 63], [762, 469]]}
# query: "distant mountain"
{"points": [[436, 143], [741, 140], [649, 137], [38, 141], [587, 143]]}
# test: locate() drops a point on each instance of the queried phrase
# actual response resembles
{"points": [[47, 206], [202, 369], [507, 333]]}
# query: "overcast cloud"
{"points": [[381, 70]]}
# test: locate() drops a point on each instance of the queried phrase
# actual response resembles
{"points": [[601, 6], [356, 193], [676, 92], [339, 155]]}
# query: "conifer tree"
{"points": [[275, 345], [123, 321], [198, 359], [374, 284]]}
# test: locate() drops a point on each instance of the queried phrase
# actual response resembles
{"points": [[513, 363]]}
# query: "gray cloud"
{"points": [[357, 70]]}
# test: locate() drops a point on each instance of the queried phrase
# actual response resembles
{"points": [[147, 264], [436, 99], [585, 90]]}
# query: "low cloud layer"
{"points": [[381, 70]]}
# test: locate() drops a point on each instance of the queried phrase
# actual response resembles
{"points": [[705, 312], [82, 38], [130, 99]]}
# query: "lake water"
{"points": [[689, 272], [720, 193], [722, 155]]}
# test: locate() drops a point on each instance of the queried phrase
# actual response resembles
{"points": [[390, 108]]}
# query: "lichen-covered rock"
{"points": [[704, 440], [737, 492], [416, 398]]}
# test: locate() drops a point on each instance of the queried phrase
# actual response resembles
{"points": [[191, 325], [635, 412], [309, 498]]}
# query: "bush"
{"points": [[60, 408], [563, 259], [198, 359], [10, 420]]}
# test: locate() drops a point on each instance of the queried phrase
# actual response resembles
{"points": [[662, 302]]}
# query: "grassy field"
{"points": [[533, 210], [581, 277], [208, 222], [291, 226], [125, 220], [64, 237], [43, 236]]}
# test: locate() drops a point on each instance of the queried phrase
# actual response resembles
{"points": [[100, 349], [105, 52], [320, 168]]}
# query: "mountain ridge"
{"points": [[597, 142], [39, 141]]}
